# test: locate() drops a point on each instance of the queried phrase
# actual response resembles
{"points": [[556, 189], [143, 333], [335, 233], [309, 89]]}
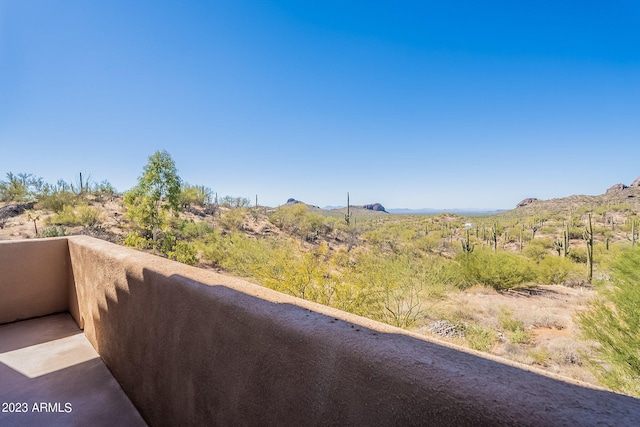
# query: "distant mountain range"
{"points": [[618, 193], [405, 211], [469, 211]]}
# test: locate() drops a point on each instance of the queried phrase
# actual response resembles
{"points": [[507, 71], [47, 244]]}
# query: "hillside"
{"points": [[618, 194]]}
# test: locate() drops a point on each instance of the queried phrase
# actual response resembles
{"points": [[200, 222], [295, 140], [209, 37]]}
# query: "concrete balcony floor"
{"points": [[50, 371]]}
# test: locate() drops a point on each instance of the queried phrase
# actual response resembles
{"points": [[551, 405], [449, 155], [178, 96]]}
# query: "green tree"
{"points": [[156, 194]]}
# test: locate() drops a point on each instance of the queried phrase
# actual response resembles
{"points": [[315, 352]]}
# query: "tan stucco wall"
{"points": [[35, 277], [191, 347]]}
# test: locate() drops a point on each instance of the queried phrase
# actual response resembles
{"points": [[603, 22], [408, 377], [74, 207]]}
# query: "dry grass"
{"points": [[535, 329]]}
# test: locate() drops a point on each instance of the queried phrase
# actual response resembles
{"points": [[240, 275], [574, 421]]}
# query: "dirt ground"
{"points": [[550, 339]]}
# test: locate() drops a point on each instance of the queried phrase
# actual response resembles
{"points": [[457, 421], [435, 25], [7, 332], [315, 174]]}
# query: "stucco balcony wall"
{"points": [[191, 347], [35, 278]]}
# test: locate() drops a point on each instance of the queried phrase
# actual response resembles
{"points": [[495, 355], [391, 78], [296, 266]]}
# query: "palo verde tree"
{"points": [[156, 194], [613, 320]]}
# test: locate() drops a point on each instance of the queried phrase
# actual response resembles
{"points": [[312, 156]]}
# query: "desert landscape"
{"points": [[512, 284]]}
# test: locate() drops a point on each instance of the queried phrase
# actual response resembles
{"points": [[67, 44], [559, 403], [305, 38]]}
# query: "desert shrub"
{"points": [[56, 200], [553, 270], [576, 232], [429, 242], [297, 220], [12, 191], [81, 215], [578, 255], [195, 195], [309, 275], [507, 322], [192, 229], [439, 271], [535, 251], [287, 218], [88, 216], [210, 249], [54, 232], [103, 190], [197, 229], [547, 321], [479, 338], [395, 288], [165, 243], [135, 240], [501, 270], [520, 336], [234, 202], [613, 320], [20, 187], [382, 239], [515, 328], [183, 252], [567, 351], [539, 356], [382, 281], [232, 219], [608, 259], [236, 253], [67, 216]]}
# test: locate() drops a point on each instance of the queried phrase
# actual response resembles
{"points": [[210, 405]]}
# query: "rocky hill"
{"points": [[362, 211], [618, 194]]}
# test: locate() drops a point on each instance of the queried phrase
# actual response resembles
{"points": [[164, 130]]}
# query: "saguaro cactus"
{"points": [[562, 245], [565, 241], [534, 228], [634, 233], [467, 247], [521, 238], [588, 238], [494, 236], [347, 216]]}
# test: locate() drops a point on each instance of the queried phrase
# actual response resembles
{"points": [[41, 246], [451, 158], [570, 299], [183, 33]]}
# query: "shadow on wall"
{"points": [[188, 353]]}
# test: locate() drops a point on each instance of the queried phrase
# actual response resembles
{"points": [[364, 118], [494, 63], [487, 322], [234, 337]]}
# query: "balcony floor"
{"points": [[50, 371]]}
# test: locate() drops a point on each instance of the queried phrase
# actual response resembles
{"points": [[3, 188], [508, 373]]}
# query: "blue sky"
{"points": [[460, 104]]}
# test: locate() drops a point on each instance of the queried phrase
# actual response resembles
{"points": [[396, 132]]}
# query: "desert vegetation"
{"points": [[548, 284]]}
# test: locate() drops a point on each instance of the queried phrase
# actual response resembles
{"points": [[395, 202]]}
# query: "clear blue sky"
{"points": [[457, 104]]}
